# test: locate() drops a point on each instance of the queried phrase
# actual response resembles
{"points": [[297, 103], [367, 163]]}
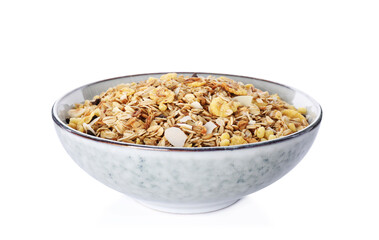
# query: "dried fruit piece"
{"points": [[225, 142], [292, 114], [108, 134], [169, 76], [162, 107], [128, 91], [261, 132], [242, 124], [96, 101], [221, 108], [199, 129], [237, 140], [225, 136], [271, 137], [75, 113], [232, 86], [302, 110], [162, 95], [292, 127], [251, 140], [197, 84]]}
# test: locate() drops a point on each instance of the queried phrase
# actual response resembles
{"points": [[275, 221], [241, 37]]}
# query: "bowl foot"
{"points": [[187, 208]]}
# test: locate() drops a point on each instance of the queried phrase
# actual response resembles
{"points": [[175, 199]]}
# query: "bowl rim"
{"points": [[65, 127]]}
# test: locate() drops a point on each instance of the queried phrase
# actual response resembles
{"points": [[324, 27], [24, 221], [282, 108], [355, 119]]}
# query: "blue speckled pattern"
{"points": [[187, 181]]}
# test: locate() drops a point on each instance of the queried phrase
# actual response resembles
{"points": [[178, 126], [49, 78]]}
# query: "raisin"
{"points": [[96, 102]]}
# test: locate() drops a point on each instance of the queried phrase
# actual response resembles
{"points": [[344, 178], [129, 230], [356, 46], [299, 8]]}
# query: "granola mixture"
{"points": [[187, 111]]}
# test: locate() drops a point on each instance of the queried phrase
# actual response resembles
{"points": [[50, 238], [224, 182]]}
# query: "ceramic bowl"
{"points": [[186, 180]]}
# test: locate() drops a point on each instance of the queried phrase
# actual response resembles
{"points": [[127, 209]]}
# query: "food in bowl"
{"points": [[187, 111], [186, 179]]}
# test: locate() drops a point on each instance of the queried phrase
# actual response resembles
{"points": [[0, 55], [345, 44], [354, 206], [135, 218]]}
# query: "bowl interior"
{"points": [[289, 94]]}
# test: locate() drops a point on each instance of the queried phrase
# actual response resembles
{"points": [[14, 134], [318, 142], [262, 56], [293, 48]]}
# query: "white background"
{"points": [[328, 49]]}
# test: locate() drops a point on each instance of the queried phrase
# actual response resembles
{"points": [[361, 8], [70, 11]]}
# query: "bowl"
{"points": [[186, 180]]}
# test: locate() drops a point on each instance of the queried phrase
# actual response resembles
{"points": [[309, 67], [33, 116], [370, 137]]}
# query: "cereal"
{"points": [[187, 111]]}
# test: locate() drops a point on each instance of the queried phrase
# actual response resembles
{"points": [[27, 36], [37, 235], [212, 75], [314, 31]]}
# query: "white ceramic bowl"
{"points": [[186, 180]]}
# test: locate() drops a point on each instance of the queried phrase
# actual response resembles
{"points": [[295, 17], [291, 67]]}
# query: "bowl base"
{"points": [[187, 208]]}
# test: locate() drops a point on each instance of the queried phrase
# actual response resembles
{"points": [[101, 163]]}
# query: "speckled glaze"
{"points": [[186, 180]]}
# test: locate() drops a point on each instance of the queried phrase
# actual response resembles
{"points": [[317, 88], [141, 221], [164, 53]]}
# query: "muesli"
{"points": [[187, 111]]}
